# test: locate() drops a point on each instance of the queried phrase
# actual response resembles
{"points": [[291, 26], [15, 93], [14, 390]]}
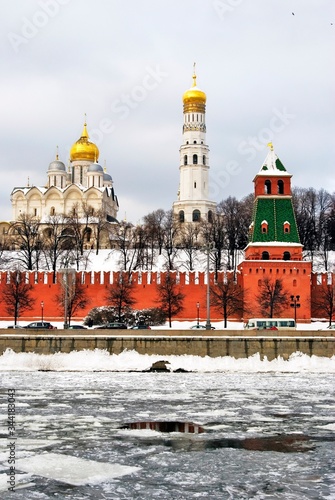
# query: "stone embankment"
{"points": [[216, 343]]}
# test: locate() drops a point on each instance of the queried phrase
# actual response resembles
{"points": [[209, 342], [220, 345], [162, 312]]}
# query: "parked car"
{"points": [[76, 327], [200, 327], [141, 326], [329, 327], [112, 326], [41, 325]]}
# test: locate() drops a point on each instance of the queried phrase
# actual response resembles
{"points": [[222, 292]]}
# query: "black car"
{"points": [[41, 325], [141, 326], [112, 326], [76, 327]]}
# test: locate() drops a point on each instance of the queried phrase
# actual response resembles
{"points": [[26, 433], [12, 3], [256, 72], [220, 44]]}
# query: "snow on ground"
{"points": [[184, 325]]}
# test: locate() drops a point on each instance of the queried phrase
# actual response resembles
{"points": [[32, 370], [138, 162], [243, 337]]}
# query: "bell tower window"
{"points": [[195, 159], [185, 160], [267, 187], [196, 216], [280, 187]]}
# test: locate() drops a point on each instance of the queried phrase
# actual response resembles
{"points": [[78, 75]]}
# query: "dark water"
{"points": [[266, 435]]}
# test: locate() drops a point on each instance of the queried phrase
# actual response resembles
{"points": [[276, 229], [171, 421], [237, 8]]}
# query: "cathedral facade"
{"points": [[84, 182]]}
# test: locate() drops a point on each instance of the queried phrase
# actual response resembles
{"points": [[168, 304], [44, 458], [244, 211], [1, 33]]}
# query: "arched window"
{"points": [[265, 255], [194, 142], [52, 211], [181, 216], [287, 227], [88, 234], [185, 160], [267, 187], [210, 216], [195, 159], [204, 160], [287, 256], [196, 216], [280, 187], [264, 227]]}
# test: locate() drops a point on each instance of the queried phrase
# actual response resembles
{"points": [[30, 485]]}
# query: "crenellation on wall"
{"points": [[298, 280]]}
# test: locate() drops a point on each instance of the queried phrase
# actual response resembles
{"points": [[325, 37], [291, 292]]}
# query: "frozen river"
{"points": [[267, 435]]}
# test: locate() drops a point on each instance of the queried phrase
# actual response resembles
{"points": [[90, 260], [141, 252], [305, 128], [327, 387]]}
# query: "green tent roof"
{"points": [[275, 211]]}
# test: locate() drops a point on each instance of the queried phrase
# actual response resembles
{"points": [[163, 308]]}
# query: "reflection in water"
{"points": [[166, 426]]}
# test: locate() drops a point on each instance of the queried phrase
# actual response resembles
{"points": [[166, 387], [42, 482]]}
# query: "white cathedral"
{"points": [[86, 183]]}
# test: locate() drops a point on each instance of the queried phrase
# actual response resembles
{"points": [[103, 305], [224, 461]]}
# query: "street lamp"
{"points": [[198, 311], [42, 310], [208, 249], [67, 285], [295, 303]]}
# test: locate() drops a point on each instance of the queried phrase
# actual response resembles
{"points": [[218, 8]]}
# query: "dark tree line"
{"points": [[62, 239], [315, 215]]}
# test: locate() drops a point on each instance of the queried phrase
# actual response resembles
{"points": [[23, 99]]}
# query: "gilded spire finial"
{"points": [[270, 145], [85, 133], [57, 155], [105, 168], [194, 76]]}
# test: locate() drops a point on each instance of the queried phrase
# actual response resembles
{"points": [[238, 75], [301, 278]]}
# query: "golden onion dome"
{"points": [[83, 149], [194, 94]]}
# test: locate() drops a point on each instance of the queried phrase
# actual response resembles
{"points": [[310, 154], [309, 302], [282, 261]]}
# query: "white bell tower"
{"points": [[193, 203]]}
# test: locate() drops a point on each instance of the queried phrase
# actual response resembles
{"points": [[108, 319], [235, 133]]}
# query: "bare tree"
{"points": [[101, 227], [123, 235], [272, 298], [78, 226], [189, 242], [213, 234], [120, 294], [154, 226], [54, 245], [170, 227], [25, 234], [324, 303], [227, 297], [16, 294], [73, 296], [170, 297]]}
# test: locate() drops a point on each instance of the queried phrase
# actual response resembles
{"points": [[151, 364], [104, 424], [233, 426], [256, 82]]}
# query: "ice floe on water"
{"points": [[73, 470], [102, 360]]}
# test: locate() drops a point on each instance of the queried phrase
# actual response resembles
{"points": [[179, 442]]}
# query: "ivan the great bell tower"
{"points": [[193, 203]]}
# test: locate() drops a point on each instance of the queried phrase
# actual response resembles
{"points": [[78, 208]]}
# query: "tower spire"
{"points": [[194, 76]]}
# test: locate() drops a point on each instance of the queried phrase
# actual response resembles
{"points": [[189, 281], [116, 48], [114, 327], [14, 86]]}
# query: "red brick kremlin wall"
{"points": [[192, 284]]}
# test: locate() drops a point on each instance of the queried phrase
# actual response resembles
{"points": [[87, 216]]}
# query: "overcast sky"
{"points": [[267, 67]]}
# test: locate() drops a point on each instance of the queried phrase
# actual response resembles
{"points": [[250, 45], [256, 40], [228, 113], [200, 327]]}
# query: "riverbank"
{"points": [[177, 342]]}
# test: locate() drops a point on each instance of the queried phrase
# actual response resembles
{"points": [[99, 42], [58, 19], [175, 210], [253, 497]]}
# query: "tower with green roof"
{"points": [[274, 251], [273, 232]]}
